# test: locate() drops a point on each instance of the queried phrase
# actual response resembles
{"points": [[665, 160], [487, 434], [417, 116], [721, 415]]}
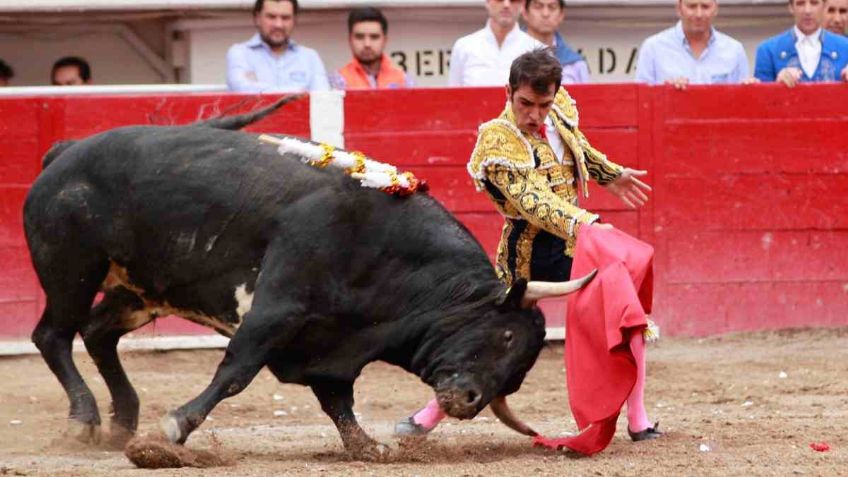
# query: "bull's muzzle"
{"points": [[459, 399]]}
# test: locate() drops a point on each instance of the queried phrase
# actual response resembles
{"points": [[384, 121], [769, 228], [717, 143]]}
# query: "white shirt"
{"points": [[553, 139], [477, 60], [809, 50]]}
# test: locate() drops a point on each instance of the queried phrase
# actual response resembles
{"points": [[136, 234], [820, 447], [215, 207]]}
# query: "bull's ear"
{"points": [[514, 294]]}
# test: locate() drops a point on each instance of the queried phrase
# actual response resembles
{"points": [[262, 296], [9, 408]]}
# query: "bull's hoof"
{"points": [[172, 425], [408, 428], [89, 434], [119, 436], [373, 452]]}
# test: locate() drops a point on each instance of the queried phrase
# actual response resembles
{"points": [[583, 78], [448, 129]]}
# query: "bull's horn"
{"points": [[539, 290], [505, 415]]}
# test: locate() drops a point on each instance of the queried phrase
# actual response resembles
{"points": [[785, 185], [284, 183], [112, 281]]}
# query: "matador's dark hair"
{"points": [[538, 68]]}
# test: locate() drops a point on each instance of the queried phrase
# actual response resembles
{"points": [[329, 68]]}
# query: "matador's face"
{"points": [[530, 107]]}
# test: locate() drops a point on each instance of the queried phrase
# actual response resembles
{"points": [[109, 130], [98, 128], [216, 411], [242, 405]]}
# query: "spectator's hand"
{"points": [[602, 226], [629, 188], [790, 76], [844, 74], [679, 83], [751, 80], [251, 76]]}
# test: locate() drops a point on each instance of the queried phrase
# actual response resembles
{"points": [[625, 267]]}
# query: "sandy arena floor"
{"points": [[737, 405]]}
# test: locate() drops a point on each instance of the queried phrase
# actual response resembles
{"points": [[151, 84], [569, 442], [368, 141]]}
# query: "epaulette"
{"points": [[565, 108], [499, 142]]}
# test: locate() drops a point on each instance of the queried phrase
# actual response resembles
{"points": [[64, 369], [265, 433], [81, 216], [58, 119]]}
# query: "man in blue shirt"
{"points": [[271, 61], [805, 52], [692, 51]]}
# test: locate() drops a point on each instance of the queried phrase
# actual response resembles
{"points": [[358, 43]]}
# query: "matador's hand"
{"points": [[629, 188]]}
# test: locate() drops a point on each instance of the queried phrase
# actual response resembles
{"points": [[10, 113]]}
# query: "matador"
{"points": [[534, 163]]}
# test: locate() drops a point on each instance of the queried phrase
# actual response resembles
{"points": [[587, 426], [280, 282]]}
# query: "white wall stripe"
{"points": [[555, 334], [10, 348], [326, 117], [165, 343]]}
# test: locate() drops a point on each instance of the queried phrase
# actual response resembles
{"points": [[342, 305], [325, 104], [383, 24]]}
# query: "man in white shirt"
{"points": [[483, 58], [805, 52]]}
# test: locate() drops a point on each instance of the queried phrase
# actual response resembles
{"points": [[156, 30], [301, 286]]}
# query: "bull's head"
{"points": [[487, 357]]}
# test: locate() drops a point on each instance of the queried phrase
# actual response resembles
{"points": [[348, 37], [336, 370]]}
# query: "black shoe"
{"points": [[648, 434]]}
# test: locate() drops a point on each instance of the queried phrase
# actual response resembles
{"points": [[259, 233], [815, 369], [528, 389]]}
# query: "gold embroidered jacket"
{"points": [[536, 194]]}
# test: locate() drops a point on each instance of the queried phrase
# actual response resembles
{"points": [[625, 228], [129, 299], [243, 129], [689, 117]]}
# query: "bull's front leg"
{"points": [[246, 355], [336, 400]]}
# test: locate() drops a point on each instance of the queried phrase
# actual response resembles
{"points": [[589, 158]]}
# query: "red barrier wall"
{"points": [[29, 126], [748, 215]]}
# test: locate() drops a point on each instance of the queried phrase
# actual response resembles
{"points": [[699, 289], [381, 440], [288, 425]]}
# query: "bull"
{"points": [[307, 272]]}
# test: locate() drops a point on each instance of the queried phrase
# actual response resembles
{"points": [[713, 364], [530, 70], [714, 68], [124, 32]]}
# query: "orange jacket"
{"points": [[354, 76]]}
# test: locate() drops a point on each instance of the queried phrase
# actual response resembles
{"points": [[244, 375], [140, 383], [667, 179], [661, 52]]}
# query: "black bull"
{"points": [[309, 273]]}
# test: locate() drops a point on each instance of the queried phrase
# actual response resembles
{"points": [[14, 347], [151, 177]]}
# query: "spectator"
{"points": [[805, 52], [836, 16], [271, 60], [370, 68], [483, 58], [543, 18], [692, 51], [70, 71], [6, 73]]}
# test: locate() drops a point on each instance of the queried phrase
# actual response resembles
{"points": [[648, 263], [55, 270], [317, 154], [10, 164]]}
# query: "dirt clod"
{"points": [[156, 452]]}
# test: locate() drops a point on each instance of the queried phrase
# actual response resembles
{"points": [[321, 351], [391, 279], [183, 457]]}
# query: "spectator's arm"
{"points": [[457, 64], [764, 65], [319, 75], [742, 73], [241, 76], [645, 72], [575, 73], [337, 81]]}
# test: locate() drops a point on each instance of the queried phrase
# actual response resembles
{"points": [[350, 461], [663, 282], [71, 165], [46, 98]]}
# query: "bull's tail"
{"points": [[242, 120], [55, 151]]}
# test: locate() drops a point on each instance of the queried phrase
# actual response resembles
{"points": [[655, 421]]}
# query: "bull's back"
{"points": [[172, 181], [183, 214]]}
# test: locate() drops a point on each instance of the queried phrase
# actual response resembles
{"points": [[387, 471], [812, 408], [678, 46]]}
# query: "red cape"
{"points": [[601, 370]]}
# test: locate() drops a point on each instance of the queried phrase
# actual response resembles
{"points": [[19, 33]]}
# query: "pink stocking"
{"points": [[430, 416], [637, 416]]}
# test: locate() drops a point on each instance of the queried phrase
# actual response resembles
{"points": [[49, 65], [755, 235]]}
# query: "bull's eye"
{"points": [[508, 337]]}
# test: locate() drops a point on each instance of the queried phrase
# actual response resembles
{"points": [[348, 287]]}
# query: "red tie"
{"points": [[543, 132]]}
